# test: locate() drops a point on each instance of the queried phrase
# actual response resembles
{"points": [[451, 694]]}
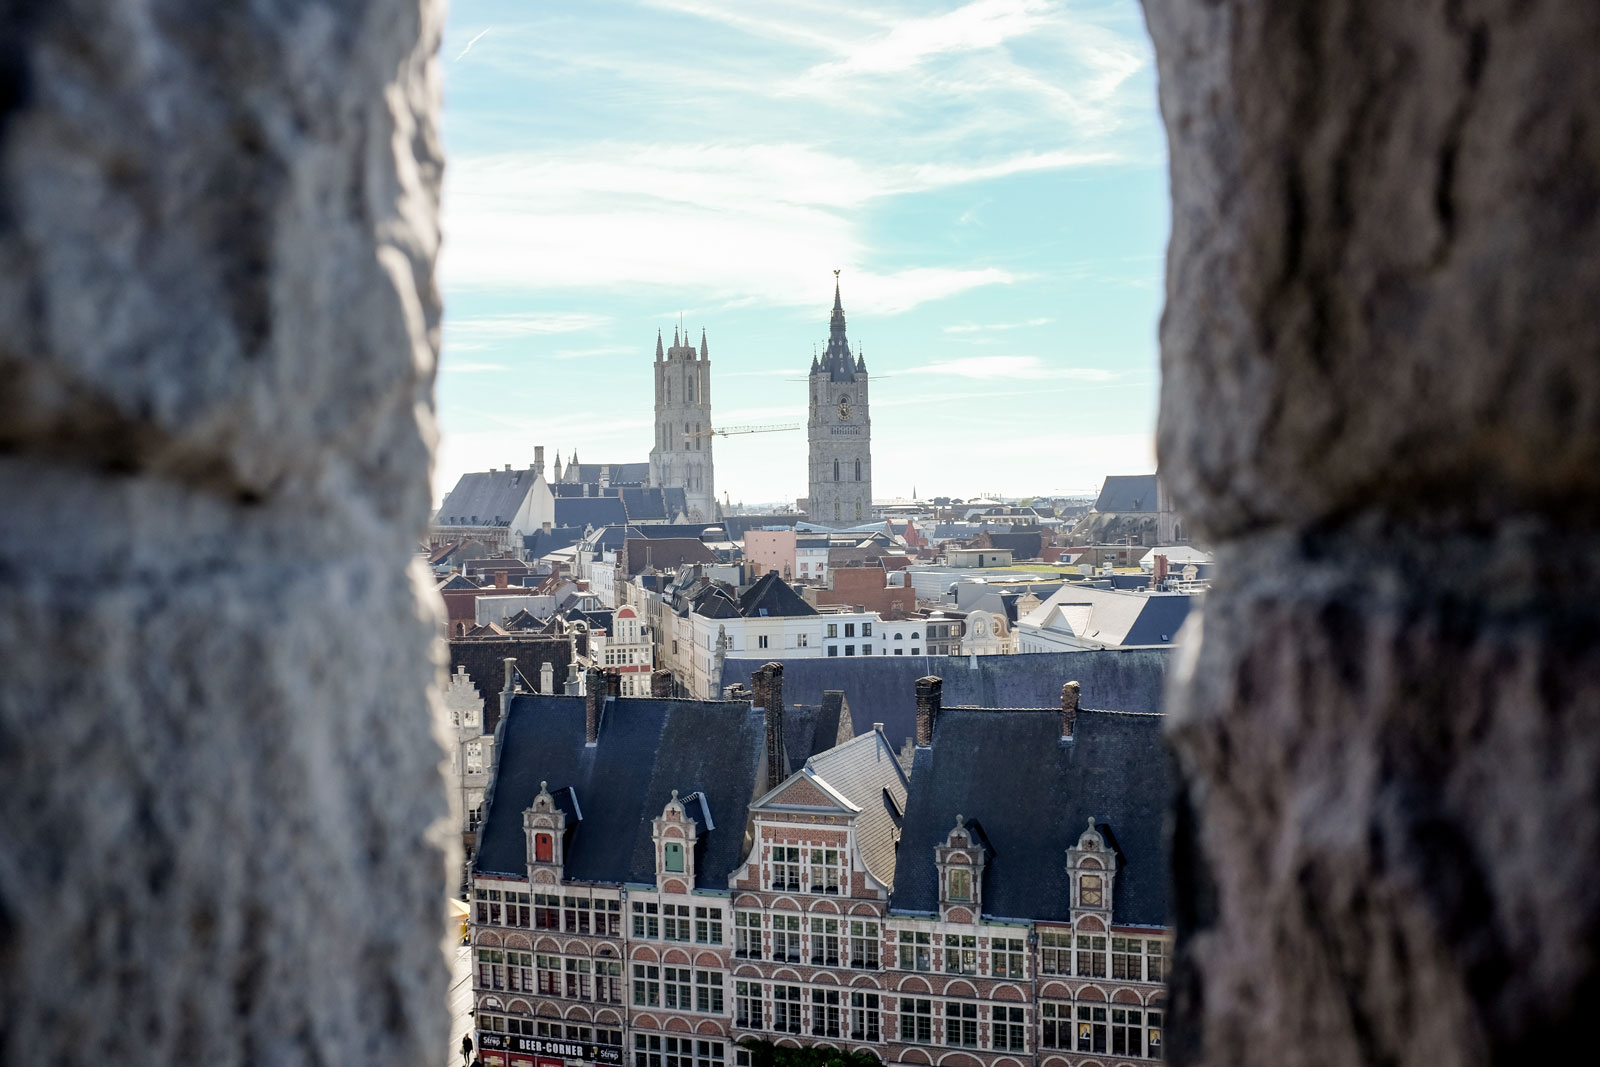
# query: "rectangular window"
{"points": [[833, 630], [802, 640], [675, 925], [519, 972], [786, 1008], [491, 969], [833, 650], [646, 920], [960, 954], [1127, 958], [786, 938], [546, 911], [646, 986], [676, 986], [866, 650], [672, 857], [916, 1021], [849, 629], [747, 935], [577, 915], [578, 985], [825, 1012], [549, 975], [519, 910], [747, 1005], [1152, 1034], [1091, 1028], [785, 868], [849, 650], [825, 870], [1127, 1031], [863, 944], [488, 907], [708, 926], [608, 917], [707, 1053], [824, 942], [866, 629], [915, 651], [1006, 956], [864, 1020], [608, 982], [916, 951], [1006, 1030], [1091, 956], [1154, 961], [1055, 952], [961, 1024], [708, 991], [1055, 1025]]}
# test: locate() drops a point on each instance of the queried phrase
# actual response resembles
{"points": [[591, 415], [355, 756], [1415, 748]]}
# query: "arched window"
{"points": [[836, 509], [835, 470], [858, 509], [899, 637], [858, 470]]}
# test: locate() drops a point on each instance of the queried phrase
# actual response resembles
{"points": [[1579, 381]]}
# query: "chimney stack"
{"points": [[1069, 708], [511, 673], [547, 678], [613, 685], [661, 682], [502, 579], [572, 679], [930, 694], [769, 696], [594, 696], [538, 459]]}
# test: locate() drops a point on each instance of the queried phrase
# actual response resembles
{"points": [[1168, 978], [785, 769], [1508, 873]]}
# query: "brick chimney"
{"points": [[502, 579], [768, 682], [930, 694], [1069, 708], [547, 678], [594, 696], [613, 684], [661, 682]]}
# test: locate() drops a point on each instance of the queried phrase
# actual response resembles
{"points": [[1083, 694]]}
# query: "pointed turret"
{"points": [[659, 355], [861, 363], [705, 353], [675, 343], [840, 367]]}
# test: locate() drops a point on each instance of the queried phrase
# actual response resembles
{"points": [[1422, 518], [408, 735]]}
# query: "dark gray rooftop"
{"points": [[1126, 494], [587, 511], [485, 498], [647, 748], [1031, 794], [883, 688]]}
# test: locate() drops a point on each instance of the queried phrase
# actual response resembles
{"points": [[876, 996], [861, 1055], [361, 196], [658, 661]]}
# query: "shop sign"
{"points": [[588, 1051]]}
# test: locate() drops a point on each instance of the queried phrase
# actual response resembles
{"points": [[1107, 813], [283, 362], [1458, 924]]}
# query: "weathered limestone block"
{"points": [[1381, 403], [222, 815]]}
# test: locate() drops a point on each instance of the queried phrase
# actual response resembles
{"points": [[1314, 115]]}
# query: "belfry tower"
{"points": [[681, 454], [839, 430]]}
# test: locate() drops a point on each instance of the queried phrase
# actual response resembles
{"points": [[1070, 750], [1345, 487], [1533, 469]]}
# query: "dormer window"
{"points": [[960, 885], [672, 857], [544, 848], [1089, 895]]}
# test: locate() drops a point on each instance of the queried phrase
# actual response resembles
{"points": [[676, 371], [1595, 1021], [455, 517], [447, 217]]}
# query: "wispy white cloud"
{"points": [[462, 367], [973, 27], [1030, 368], [508, 327], [974, 327], [481, 35]]}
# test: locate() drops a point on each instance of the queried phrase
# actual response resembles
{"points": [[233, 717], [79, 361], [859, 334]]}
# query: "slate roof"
{"points": [[621, 474], [772, 597], [486, 498], [541, 542], [883, 688], [589, 511], [863, 770], [811, 728], [1032, 794], [1023, 546], [1115, 616], [647, 748], [665, 553], [644, 505], [739, 525], [1127, 494], [483, 657]]}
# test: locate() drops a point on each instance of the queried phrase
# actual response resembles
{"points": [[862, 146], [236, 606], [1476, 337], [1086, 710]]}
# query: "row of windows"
{"points": [[1132, 959], [676, 922], [548, 911], [850, 629], [832, 1010], [677, 988], [663, 1050], [850, 650], [1114, 1028], [822, 870], [575, 978], [825, 942], [625, 658], [858, 475], [553, 1029]]}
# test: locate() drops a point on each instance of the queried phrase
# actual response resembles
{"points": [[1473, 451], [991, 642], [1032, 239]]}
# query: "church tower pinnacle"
{"points": [[839, 430], [680, 457]]}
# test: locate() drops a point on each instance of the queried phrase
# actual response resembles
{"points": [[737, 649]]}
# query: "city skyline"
{"points": [[655, 163]]}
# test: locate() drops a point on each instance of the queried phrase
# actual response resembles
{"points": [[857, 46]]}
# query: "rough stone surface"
{"points": [[224, 815], [1381, 403]]}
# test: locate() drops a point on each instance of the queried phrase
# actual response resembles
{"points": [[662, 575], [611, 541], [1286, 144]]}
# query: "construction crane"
{"points": [[728, 431]]}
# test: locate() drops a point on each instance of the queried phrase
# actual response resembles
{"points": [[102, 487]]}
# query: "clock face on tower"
{"points": [[844, 408]]}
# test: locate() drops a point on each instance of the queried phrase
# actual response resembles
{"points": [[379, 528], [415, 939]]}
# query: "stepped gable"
{"points": [[1031, 792]]}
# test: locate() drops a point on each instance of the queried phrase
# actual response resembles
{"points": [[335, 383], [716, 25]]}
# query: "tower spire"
{"points": [[841, 368], [658, 346]]}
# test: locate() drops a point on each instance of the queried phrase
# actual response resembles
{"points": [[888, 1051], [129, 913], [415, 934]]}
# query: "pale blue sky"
{"points": [[989, 176]]}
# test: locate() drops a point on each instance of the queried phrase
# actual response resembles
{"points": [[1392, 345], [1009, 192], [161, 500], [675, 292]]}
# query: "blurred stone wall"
{"points": [[1381, 404], [221, 838]]}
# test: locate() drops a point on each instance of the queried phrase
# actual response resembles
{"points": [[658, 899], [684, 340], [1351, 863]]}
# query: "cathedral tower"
{"points": [[681, 454], [840, 430]]}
